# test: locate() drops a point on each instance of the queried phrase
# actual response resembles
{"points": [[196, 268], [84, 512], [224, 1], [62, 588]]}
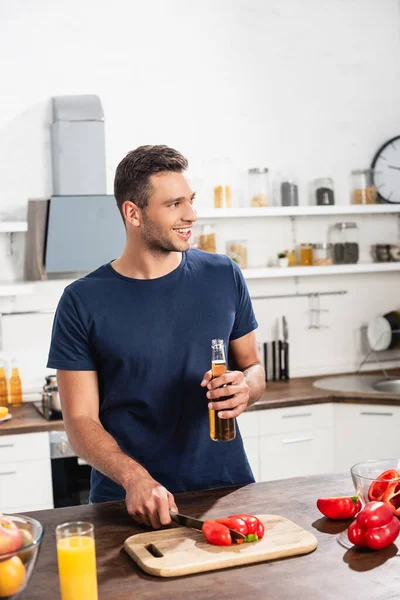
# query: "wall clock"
{"points": [[386, 163]]}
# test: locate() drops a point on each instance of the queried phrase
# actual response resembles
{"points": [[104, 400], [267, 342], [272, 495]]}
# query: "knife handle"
{"points": [[274, 360], [265, 348]]}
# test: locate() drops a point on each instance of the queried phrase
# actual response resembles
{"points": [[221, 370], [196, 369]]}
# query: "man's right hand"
{"points": [[149, 503]]}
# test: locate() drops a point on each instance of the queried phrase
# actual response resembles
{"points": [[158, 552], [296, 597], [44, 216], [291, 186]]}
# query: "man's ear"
{"points": [[132, 214]]}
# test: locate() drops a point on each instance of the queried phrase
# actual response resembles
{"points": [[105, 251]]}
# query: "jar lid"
{"points": [[258, 170], [322, 246], [362, 171]]}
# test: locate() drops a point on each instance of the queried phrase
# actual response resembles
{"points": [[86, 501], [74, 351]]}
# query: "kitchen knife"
{"points": [[197, 524], [265, 346], [285, 349]]}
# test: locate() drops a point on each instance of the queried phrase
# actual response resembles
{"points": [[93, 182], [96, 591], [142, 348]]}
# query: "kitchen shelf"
{"points": [[278, 272], [13, 226], [298, 211]]}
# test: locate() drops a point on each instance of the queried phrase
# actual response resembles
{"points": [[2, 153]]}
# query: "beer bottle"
{"points": [[3, 387], [15, 386], [221, 430]]}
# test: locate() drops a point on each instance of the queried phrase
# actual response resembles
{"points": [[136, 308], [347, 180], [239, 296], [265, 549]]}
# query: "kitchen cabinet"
{"points": [[25, 472], [364, 432], [289, 442]]}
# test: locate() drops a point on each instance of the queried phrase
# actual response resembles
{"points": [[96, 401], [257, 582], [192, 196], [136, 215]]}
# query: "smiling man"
{"points": [[131, 344]]}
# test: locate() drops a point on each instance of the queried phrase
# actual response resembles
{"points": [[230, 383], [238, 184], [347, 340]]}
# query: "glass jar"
{"points": [[222, 173], [259, 187], [306, 255], [322, 254], [289, 191], [345, 245], [237, 251], [363, 187], [291, 256], [207, 239], [324, 191]]}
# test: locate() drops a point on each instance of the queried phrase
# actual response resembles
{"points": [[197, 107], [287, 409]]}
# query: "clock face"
{"points": [[387, 171]]}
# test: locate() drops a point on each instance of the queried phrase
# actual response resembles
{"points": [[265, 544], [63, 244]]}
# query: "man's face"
{"points": [[170, 214]]}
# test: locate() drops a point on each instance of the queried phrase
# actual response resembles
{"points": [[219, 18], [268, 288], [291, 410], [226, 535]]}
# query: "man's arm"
{"points": [[146, 500], [245, 356], [245, 385]]}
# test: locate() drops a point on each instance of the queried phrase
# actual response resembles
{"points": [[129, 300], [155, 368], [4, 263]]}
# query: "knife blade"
{"points": [[193, 523]]}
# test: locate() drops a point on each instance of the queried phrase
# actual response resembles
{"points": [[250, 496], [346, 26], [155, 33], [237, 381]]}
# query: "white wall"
{"points": [[313, 86]]}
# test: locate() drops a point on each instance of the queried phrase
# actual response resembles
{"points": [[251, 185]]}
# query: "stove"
{"points": [[50, 414]]}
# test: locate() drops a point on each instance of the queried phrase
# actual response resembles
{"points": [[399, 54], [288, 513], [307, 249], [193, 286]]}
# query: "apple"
{"points": [[27, 539], [10, 535]]}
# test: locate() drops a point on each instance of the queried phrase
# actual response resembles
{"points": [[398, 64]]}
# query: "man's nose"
{"points": [[190, 213]]}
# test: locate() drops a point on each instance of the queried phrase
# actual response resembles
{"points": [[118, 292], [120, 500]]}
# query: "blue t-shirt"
{"points": [[150, 342]]}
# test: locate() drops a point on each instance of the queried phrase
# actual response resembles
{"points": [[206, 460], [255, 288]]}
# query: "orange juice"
{"points": [[77, 568]]}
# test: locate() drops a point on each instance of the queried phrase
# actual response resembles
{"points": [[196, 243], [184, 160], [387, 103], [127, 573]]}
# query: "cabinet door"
{"points": [[251, 446], [25, 484], [364, 432], [249, 428], [296, 454]]}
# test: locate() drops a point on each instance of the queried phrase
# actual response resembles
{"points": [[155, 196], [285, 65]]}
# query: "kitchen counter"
{"points": [[328, 573], [26, 419], [278, 394]]}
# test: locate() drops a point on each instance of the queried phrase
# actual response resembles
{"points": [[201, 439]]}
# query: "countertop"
{"points": [[278, 394], [328, 573]]}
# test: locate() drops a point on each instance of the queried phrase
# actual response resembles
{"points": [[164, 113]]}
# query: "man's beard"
{"points": [[155, 239]]}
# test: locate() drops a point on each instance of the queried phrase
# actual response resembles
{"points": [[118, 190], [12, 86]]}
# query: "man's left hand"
{"points": [[234, 386]]}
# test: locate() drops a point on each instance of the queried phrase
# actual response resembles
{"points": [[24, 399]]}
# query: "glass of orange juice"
{"points": [[76, 561]]}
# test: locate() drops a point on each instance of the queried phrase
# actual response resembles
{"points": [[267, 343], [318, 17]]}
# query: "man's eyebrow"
{"points": [[179, 199]]}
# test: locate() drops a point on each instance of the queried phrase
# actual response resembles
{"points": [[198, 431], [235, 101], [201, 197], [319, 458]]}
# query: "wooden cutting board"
{"points": [[182, 551]]}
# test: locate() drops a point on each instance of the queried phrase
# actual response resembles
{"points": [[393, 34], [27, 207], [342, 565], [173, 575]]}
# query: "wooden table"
{"points": [[331, 572]]}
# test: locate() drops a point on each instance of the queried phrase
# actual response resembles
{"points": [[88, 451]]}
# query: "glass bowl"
{"points": [[16, 566], [364, 473]]}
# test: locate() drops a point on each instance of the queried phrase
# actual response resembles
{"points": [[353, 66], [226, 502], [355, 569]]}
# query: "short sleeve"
{"points": [[245, 320], [70, 345]]}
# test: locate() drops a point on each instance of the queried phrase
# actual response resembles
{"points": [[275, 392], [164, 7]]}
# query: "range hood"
{"points": [[79, 227]]}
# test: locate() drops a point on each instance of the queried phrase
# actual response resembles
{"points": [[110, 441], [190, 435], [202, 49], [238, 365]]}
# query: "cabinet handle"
{"points": [[298, 415], [9, 473], [380, 414], [7, 445], [297, 440]]}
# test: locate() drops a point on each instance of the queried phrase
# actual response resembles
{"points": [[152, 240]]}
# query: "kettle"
{"points": [[50, 396]]}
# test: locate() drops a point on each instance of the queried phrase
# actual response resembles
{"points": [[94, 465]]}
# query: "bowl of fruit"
{"points": [[20, 539], [378, 480]]}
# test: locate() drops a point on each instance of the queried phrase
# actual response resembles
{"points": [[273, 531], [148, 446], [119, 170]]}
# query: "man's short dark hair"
{"points": [[132, 177]]}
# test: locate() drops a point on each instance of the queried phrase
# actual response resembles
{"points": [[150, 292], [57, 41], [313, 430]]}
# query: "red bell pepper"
{"points": [[380, 485], [375, 527], [252, 529], [216, 533], [251, 522], [344, 507], [392, 497]]}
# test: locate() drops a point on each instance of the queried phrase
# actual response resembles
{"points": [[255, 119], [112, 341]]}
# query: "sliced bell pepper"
{"points": [[380, 485], [374, 527], [343, 507], [216, 533], [251, 522], [392, 497]]}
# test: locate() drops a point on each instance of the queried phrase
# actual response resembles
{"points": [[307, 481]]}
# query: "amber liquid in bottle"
{"points": [[15, 388], [221, 430], [3, 388]]}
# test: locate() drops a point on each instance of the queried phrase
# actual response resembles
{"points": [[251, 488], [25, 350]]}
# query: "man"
{"points": [[131, 343]]}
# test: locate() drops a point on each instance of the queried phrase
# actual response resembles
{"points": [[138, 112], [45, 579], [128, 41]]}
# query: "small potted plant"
{"points": [[283, 260]]}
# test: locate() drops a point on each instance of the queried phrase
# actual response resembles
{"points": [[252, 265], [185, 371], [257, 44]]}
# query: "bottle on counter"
{"points": [[15, 386], [3, 387], [221, 430]]}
